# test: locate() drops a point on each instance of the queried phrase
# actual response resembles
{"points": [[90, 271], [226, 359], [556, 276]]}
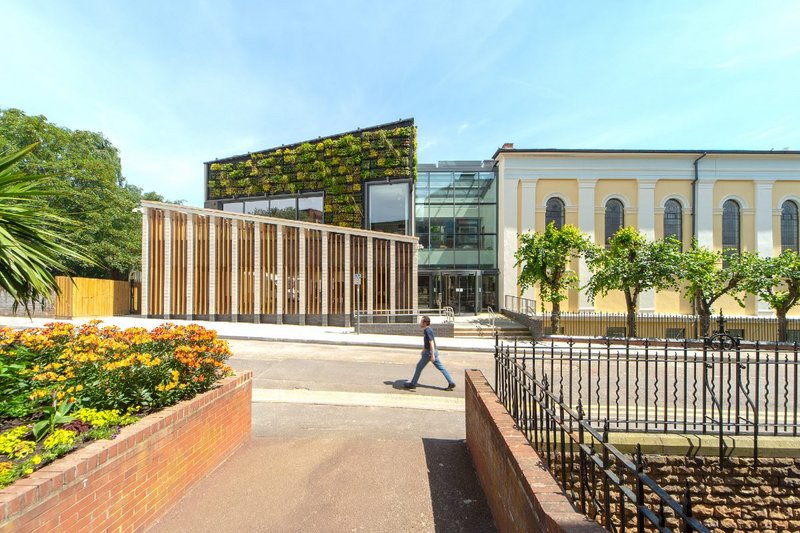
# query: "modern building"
{"points": [[725, 199], [456, 222], [468, 215]]}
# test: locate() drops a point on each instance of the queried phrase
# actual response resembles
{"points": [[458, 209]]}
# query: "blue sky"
{"points": [[174, 84]]}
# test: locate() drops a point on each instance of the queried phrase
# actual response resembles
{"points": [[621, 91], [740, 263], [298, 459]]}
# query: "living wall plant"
{"points": [[339, 165]]}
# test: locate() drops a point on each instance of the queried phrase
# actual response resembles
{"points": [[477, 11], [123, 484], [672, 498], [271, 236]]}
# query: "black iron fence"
{"points": [[663, 326], [602, 482]]}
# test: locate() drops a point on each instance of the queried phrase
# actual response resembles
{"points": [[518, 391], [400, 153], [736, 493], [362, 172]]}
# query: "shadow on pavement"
{"points": [[398, 384], [456, 494]]}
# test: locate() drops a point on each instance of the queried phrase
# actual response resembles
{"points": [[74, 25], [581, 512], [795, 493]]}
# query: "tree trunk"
{"points": [[704, 312], [783, 325], [555, 318], [630, 304]]}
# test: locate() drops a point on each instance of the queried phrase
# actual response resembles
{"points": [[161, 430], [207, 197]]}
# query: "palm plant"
{"points": [[32, 244]]}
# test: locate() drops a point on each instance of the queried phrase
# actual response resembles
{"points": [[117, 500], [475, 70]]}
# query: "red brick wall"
{"points": [[127, 483], [522, 495]]}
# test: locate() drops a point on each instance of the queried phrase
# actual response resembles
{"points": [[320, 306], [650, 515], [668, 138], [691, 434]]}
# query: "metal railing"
{"points": [[517, 304], [653, 326], [719, 387], [492, 317], [600, 481]]}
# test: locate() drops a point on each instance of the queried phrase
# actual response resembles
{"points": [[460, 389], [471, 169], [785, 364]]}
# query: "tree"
{"points": [[632, 264], [776, 280], [85, 185], [545, 258], [32, 246], [706, 280]]}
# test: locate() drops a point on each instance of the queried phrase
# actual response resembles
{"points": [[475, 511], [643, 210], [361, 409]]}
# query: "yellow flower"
{"points": [[28, 471], [36, 459]]}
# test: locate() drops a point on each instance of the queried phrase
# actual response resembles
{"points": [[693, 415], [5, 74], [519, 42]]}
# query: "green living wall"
{"points": [[338, 165]]}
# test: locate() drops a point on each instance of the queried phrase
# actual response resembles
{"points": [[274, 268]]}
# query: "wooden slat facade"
{"points": [[264, 269]]}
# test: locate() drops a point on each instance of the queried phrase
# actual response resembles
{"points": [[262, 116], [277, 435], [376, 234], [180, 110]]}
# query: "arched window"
{"points": [[615, 217], [789, 227], [554, 212], [731, 226], [673, 220]]}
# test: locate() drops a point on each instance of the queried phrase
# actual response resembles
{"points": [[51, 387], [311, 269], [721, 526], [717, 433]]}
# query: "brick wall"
{"points": [[127, 483], [7, 307], [522, 495], [410, 330]]}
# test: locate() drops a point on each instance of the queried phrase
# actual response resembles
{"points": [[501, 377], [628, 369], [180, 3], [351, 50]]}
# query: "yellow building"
{"points": [[747, 200]]}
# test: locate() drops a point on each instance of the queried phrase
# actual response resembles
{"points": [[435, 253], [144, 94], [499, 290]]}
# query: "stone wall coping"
{"points": [[550, 505], [693, 445], [27, 491]]}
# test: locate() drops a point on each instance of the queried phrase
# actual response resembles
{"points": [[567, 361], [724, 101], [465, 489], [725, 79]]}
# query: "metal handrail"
{"points": [[557, 432], [492, 315]]}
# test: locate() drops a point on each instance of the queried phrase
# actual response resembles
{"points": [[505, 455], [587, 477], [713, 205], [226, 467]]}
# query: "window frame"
{"points": [[785, 245], [726, 223], [608, 236], [679, 220], [562, 212]]}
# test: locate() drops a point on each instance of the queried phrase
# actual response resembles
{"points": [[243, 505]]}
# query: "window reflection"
{"points": [[388, 207], [310, 209]]}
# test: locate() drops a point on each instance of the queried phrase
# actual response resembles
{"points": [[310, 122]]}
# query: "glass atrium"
{"points": [[456, 222]]}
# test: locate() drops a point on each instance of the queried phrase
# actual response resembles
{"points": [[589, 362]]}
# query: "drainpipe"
{"points": [[694, 197], [694, 220]]}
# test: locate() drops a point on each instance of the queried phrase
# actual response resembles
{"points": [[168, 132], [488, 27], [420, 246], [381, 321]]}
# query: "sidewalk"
{"points": [[274, 332]]}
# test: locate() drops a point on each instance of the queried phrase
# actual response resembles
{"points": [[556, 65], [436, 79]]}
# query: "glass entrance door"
{"points": [[459, 292]]}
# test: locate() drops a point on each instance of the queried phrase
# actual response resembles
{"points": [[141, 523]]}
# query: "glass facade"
{"points": [[307, 207], [455, 210]]}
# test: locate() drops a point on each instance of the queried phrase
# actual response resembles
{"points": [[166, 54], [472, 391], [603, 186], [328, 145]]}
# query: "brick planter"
{"points": [[127, 483]]}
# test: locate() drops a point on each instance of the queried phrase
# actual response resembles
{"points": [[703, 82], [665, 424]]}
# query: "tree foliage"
{"points": [[32, 243], [85, 185], [632, 264], [775, 280], [545, 259], [706, 280]]}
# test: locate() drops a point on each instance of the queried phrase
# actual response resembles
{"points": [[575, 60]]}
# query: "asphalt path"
{"points": [[339, 445]]}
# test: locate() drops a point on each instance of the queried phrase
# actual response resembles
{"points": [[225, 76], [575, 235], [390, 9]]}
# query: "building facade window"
{"points": [[789, 226], [554, 212], [615, 218], [731, 227], [673, 220], [307, 207], [389, 207]]}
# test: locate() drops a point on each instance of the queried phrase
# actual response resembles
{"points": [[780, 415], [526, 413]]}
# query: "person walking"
{"points": [[430, 354]]}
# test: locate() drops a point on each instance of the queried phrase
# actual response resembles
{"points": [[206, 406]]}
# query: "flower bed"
{"points": [[62, 385]]}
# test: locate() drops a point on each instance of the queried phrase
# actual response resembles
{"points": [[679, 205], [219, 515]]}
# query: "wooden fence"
{"points": [[85, 297]]}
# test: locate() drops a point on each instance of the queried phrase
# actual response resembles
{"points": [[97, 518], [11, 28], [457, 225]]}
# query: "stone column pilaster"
{"points": [[764, 232], [586, 205], [647, 226]]}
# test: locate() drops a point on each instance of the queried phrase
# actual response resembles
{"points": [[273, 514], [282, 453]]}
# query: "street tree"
{"points": [[632, 264], [775, 280], [706, 278], [545, 259], [85, 185]]}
